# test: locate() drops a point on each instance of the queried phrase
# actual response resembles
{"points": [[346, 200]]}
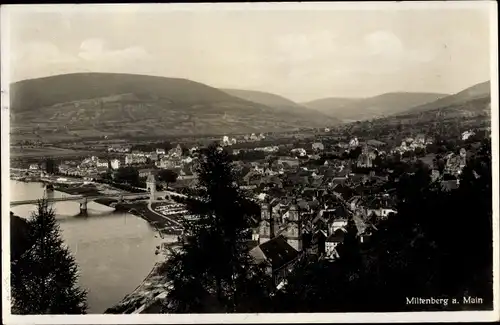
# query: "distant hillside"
{"points": [[332, 105], [358, 109], [281, 104], [261, 97], [470, 108], [479, 91], [85, 105]]}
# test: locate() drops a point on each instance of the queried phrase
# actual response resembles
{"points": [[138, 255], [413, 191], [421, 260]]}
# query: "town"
{"points": [[308, 188]]}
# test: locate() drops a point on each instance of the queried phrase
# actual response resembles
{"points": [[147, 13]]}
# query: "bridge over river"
{"points": [[83, 199]]}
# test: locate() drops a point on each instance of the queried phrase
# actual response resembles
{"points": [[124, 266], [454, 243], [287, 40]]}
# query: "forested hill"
{"points": [[99, 104]]}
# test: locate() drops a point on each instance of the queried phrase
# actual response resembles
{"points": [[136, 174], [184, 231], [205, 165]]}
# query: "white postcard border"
{"points": [[476, 316]]}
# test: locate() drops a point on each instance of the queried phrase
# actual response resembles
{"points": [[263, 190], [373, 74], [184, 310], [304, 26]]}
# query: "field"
{"points": [[34, 152]]}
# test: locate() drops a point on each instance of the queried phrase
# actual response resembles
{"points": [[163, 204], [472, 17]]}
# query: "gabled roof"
{"points": [[313, 204], [276, 251], [345, 191], [337, 237], [302, 204]]}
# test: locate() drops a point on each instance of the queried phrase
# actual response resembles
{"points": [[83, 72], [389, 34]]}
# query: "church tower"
{"points": [[266, 229], [151, 186], [294, 228]]}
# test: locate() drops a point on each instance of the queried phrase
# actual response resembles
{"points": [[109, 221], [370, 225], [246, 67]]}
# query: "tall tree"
{"points": [[128, 174], [213, 271], [19, 237], [50, 166], [168, 176], [44, 278]]}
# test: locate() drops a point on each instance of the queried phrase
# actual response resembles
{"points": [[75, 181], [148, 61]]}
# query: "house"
{"points": [[365, 159], [467, 134], [63, 168], [225, 141], [343, 191], [101, 164], [160, 151], [420, 139], [380, 206], [338, 223], [115, 164], [34, 167], [278, 257], [380, 212], [168, 163], [332, 242], [354, 142], [118, 148], [175, 152], [132, 159], [146, 172], [318, 146], [299, 151]]}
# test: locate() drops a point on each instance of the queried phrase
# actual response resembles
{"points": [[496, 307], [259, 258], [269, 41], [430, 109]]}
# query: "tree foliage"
{"points": [[44, 278], [212, 271], [129, 175], [168, 176], [50, 166], [19, 237]]}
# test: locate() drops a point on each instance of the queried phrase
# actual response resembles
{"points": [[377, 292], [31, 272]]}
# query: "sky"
{"points": [[302, 54]]}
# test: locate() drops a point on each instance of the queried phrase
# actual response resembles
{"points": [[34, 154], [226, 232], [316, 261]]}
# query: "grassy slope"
{"points": [[98, 104]]}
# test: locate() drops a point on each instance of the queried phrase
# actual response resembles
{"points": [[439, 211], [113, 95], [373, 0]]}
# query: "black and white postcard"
{"points": [[250, 162]]}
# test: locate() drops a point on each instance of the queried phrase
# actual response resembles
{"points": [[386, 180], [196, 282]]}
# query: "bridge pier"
{"points": [[83, 206]]}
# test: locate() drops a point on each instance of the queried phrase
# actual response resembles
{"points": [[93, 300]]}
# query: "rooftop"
{"points": [[275, 251]]}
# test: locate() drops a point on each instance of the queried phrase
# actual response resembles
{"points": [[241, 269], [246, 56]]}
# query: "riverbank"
{"points": [[146, 296], [163, 225]]}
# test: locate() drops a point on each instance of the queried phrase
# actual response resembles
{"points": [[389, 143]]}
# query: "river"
{"points": [[114, 250]]}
